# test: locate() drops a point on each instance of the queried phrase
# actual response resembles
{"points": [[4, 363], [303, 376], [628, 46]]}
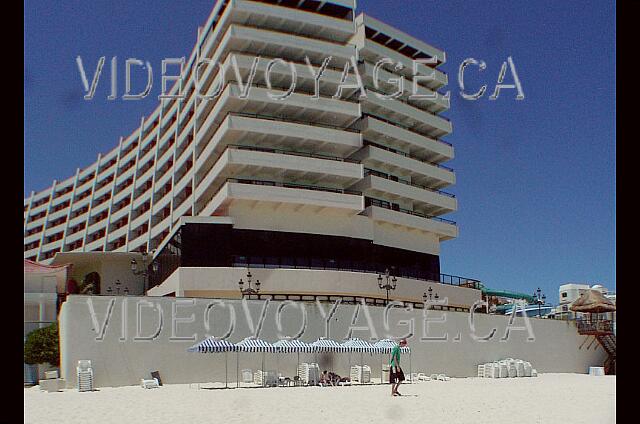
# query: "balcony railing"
{"points": [[399, 152], [370, 201], [373, 172], [293, 185], [290, 152], [403, 126], [587, 326], [293, 121], [406, 102]]}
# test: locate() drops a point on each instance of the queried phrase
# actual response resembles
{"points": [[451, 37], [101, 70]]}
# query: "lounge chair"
{"points": [[149, 384]]}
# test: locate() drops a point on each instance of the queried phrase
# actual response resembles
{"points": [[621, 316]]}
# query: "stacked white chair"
{"points": [[512, 370], [247, 376], [503, 370], [508, 367], [354, 373], [85, 375], [309, 373], [361, 374], [491, 370], [481, 370], [365, 374]]}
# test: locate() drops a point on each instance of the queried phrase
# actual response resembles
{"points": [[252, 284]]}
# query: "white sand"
{"points": [[549, 398]]}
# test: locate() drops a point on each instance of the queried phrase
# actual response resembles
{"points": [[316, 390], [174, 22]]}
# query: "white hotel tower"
{"points": [[315, 195]]}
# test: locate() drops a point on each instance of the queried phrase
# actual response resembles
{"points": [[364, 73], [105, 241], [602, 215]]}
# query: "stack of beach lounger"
{"points": [[265, 378], [309, 373], [85, 376], [361, 374], [508, 367]]}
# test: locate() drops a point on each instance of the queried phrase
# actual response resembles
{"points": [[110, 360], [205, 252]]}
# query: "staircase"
{"points": [[608, 343]]}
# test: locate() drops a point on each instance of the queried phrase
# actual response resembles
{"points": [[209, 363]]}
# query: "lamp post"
{"points": [[144, 271], [540, 300], [428, 296], [249, 290], [387, 286]]}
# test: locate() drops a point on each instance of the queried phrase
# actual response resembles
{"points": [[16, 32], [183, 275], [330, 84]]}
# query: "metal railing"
{"points": [[399, 152], [290, 152], [292, 185], [373, 172], [326, 264], [370, 201], [594, 326], [403, 126], [294, 121], [406, 102]]}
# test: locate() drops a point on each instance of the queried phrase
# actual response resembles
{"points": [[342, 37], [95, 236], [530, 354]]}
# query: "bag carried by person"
{"points": [[399, 375]]}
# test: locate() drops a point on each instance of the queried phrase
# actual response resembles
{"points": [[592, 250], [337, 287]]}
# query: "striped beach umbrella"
{"points": [[387, 345], [293, 345], [327, 345], [358, 345], [214, 345], [252, 344]]}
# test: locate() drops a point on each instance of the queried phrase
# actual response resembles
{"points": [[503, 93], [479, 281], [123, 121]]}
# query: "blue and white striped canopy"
{"points": [[294, 345], [386, 345], [327, 345], [359, 345], [213, 345], [255, 345]]}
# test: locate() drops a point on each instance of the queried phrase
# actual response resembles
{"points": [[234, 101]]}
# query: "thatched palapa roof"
{"points": [[593, 301]]}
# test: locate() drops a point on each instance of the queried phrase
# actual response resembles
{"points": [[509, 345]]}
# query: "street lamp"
{"points": [[540, 300], [144, 271], [428, 295], [387, 286], [249, 290]]}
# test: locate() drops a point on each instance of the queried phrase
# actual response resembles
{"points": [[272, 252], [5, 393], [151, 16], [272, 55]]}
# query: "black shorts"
{"points": [[396, 376]]}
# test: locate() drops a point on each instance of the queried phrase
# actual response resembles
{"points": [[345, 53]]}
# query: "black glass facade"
{"points": [[218, 245]]}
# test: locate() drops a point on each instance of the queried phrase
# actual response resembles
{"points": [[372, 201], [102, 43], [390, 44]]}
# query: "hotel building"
{"points": [[315, 194]]}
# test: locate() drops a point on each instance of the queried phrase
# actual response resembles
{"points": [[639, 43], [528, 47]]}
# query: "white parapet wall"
{"points": [[128, 337]]}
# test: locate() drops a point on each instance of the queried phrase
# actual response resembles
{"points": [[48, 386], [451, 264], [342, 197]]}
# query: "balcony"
{"points": [[297, 197], [438, 104], [250, 161], [297, 107], [373, 52], [418, 172], [275, 132], [382, 212], [428, 201], [405, 114], [416, 145]]}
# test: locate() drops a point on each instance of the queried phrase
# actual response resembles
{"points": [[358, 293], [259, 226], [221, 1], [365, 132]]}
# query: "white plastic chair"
{"points": [[149, 384]]}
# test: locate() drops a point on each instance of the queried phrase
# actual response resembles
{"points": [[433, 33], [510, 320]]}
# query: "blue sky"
{"points": [[535, 178]]}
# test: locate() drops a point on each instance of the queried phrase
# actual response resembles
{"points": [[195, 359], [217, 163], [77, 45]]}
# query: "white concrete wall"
{"points": [[120, 359], [222, 282]]}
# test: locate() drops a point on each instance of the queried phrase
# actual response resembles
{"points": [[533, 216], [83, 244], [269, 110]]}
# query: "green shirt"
{"points": [[395, 357]]}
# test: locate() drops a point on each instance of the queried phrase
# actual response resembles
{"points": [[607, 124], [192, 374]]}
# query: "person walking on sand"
{"points": [[396, 375]]}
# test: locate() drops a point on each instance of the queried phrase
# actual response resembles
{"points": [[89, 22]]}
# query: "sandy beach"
{"points": [[549, 398]]}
